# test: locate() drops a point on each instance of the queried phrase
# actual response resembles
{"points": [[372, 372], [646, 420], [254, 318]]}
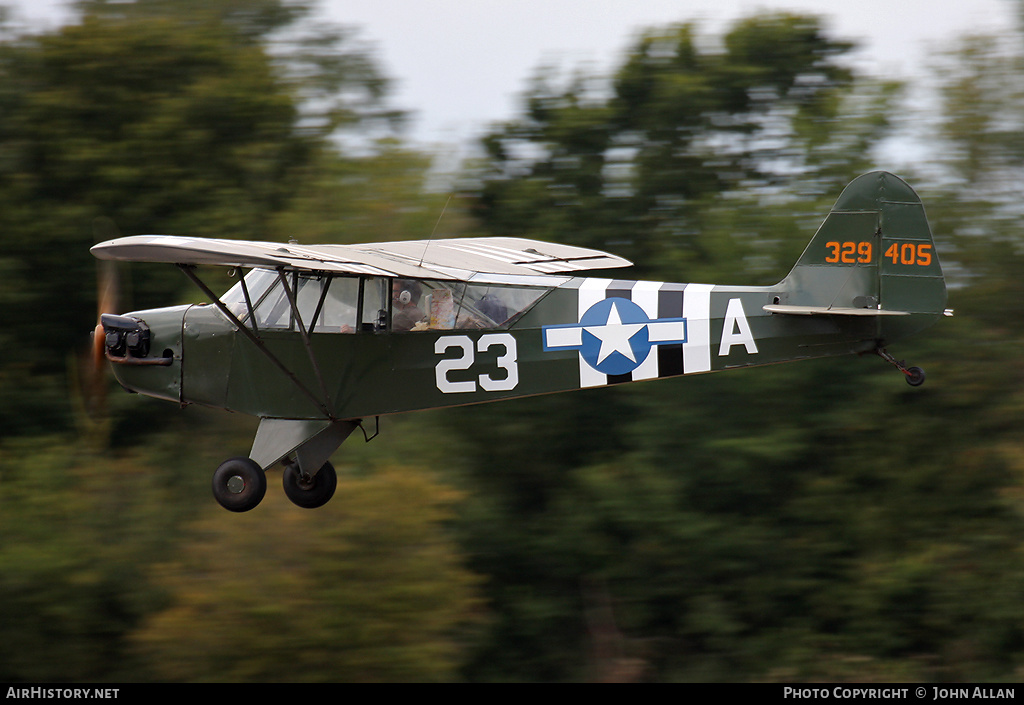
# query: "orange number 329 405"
{"points": [[908, 253]]}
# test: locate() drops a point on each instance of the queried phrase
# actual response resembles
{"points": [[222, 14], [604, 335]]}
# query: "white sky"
{"points": [[460, 64]]}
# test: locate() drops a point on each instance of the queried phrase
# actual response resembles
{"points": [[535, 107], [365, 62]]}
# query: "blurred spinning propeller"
{"points": [[96, 373]]}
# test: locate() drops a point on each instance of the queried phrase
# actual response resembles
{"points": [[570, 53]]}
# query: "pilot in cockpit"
{"points": [[405, 298]]}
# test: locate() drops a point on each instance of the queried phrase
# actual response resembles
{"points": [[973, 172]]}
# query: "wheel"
{"points": [[915, 376], [310, 492], [239, 484]]}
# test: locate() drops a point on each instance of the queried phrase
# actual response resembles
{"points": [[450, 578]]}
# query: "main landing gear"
{"points": [[303, 446], [239, 484], [308, 491], [914, 375]]}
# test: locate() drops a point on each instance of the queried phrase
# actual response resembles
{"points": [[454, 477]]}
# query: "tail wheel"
{"points": [[239, 484], [310, 492], [915, 376]]}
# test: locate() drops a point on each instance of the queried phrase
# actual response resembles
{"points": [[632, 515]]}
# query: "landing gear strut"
{"points": [[914, 375], [303, 446]]}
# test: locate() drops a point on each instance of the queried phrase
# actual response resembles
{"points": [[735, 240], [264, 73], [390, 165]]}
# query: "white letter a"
{"points": [[736, 330]]}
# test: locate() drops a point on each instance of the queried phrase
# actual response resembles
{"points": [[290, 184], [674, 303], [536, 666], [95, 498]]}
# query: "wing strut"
{"points": [[305, 334], [187, 269], [248, 301]]}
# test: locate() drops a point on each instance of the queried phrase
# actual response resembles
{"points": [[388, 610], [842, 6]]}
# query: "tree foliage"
{"points": [[209, 119], [631, 163], [769, 524], [155, 117], [370, 590]]}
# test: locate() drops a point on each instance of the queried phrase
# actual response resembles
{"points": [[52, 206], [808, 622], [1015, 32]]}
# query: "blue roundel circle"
{"points": [[615, 336]]}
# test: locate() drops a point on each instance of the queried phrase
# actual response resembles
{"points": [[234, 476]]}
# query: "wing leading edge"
{"points": [[457, 258]]}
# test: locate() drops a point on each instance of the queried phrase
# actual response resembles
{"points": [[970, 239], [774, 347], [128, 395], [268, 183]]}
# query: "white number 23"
{"points": [[506, 362]]}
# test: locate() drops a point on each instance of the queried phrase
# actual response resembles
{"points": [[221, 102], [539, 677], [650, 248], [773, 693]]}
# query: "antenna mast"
{"points": [[425, 246]]}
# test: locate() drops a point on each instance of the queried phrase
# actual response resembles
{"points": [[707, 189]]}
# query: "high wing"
{"points": [[456, 258]]}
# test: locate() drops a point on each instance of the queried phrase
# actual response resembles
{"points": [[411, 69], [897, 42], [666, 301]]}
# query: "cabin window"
{"points": [[333, 301], [257, 282], [345, 304], [326, 304], [375, 304], [418, 305]]}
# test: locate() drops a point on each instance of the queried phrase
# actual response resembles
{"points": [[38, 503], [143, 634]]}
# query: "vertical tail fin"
{"points": [[872, 256]]}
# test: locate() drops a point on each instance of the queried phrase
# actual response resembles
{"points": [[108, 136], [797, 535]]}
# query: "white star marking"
{"points": [[614, 335]]}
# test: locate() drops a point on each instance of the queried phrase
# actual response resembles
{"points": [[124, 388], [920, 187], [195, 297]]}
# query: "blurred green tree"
{"points": [[371, 589], [79, 526], [815, 521], [630, 163], [207, 118], [152, 116]]}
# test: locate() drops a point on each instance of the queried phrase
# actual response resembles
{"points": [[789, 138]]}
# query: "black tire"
{"points": [[312, 492], [915, 376], [239, 484]]}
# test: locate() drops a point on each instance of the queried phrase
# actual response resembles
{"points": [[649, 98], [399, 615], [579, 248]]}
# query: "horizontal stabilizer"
{"points": [[826, 311]]}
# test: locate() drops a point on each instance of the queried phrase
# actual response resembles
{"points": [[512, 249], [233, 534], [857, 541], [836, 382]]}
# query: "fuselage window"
{"points": [[325, 304], [257, 283], [345, 304]]}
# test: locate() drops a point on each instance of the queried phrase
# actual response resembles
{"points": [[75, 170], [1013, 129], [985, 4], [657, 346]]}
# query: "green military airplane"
{"points": [[313, 340]]}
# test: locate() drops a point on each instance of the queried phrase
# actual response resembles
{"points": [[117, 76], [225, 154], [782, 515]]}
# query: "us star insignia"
{"points": [[615, 335]]}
